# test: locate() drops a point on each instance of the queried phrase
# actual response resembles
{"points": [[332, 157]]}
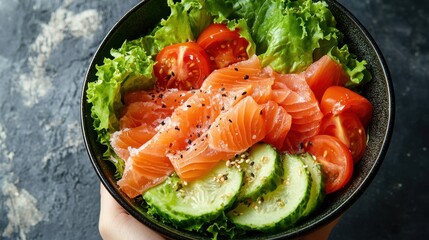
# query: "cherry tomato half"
{"points": [[347, 127], [183, 66], [223, 46], [335, 159], [338, 99]]}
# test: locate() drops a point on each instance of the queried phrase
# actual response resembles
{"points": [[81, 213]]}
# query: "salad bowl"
{"points": [[379, 91]]}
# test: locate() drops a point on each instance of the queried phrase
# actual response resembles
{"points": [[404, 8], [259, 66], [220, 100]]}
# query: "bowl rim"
{"points": [[325, 219]]}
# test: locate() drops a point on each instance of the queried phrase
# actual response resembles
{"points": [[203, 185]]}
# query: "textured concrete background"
{"points": [[49, 190]]}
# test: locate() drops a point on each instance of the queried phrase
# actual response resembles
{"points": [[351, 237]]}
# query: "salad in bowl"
{"points": [[226, 118]]}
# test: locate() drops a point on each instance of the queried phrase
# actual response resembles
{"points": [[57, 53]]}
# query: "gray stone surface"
{"points": [[49, 190]]}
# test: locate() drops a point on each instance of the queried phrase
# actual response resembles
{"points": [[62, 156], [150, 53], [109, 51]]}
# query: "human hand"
{"points": [[116, 223]]}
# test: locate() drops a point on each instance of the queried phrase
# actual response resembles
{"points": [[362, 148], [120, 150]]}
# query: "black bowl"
{"points": [[379, 91]]}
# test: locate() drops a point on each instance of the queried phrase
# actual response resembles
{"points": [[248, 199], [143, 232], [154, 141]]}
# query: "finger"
{"points": [[116, 223]]}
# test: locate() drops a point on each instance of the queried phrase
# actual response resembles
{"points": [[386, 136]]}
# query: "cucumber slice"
{"points": [[280, 208], [262, 171], [317, 192], [190, 205]]}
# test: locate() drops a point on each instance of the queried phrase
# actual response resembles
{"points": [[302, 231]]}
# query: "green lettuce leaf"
{"points": [[356, 69], [287, 39], [130, 69]]}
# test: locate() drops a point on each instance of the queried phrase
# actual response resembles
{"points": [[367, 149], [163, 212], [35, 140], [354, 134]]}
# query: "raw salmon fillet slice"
{"points": [[238, 128], [324, 73], [292, 92], [149, 163], [142, 113], [245, 78], [170, 98], [233, 131], [141, 175], [198, 160], [139, 113], [150, 107], [277, 124], [124, 140]]}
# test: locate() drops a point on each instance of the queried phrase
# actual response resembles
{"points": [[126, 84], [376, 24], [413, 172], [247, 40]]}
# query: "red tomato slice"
{"points": [[183, 66], [347, 127], [223, 46], [335, 159], [338, 99]]}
